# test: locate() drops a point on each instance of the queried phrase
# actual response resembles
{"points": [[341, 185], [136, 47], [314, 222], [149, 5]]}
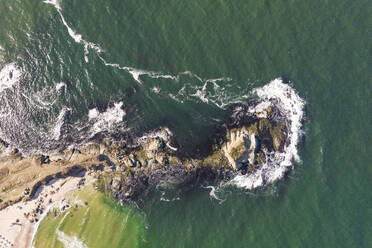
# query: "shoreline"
{"points": [[22, 232], [254, 147]]}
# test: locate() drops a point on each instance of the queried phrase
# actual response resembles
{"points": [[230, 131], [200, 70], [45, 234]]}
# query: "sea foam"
{"points": [[290, 104], [218, 92], [70, 241], [137, 73], [56, 130], [163, 133], [9, 75], [60, 86], [78, 38], [106, 121], [276, 92]]}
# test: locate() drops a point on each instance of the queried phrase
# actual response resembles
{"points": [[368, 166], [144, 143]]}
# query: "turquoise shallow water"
{"points": [[322, 47]]}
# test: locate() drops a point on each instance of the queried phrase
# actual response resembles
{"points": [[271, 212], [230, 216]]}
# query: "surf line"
{"points": [[78, 38], [135, 72], [291, 105]]}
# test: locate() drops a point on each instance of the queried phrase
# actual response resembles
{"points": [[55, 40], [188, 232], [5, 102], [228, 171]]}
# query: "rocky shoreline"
{"points": [[130, 168], [240, 148]]}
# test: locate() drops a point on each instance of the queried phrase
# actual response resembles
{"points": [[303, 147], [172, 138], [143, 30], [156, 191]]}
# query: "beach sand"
{"points": [[17, 229]]}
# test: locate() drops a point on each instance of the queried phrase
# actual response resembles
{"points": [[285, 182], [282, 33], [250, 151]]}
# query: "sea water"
{"points": [[72, 70]]}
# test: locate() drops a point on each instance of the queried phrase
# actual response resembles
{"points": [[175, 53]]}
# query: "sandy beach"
{"points": [[19, 222]]}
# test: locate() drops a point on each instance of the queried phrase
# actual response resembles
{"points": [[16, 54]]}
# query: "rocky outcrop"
{"points": [[242, 149], [3, 146], [130, 168]]}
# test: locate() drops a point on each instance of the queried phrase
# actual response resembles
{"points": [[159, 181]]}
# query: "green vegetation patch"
{"points": [[237, 151], [95, 220], [217, 158], [277, 131]]}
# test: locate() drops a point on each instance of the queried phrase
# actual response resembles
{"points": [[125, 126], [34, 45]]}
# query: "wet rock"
{"points": [[105, 158], [116, 184], [15, 152], [98, 167], [102, 157], [3, 145], [44, 159]]}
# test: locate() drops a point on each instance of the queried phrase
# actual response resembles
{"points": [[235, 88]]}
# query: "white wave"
{"points": [[201, 95], [220, 95], [169, 200], [137, 73], [212, 91], [175, 98], [9, 75], [213, 193], [60, 86], [78, 38], [156, 90], [163, 133], [291, 106], [107, 120], [56, 131], [163, 198], [1, 53], [189, 73], [161, 75], [214, 80], [39, 99], [70, 241]]}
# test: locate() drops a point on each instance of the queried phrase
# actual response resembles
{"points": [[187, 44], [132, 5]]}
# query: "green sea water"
{"points": [[322, 47]]}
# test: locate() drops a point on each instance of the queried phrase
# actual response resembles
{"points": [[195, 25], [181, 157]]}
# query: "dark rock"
{"points": [[165, 160], [4, 143], [44, 159], [76, 171], [15, 152], [102, 157], [98, 167]]}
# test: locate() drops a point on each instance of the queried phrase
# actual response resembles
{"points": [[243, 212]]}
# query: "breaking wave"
{"points": [[213, 193], [77, 37], [220, 92], [163, 133], [56, 130], [215, 91], [70, 241], [290, 104], [10, 74], [106, 121]]}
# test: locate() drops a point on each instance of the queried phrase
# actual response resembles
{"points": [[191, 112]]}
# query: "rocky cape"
{"points": [[241, 146], [130, 168]]}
